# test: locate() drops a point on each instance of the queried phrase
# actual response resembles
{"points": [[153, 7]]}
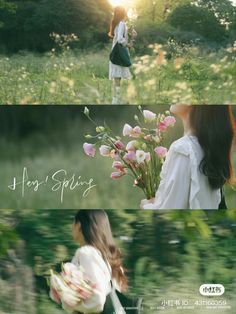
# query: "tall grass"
{"points": [[167, 74]]}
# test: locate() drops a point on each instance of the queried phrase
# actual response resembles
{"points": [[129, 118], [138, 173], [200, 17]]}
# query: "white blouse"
{"points": [[121, 34], [183, 185], [98, 272]]}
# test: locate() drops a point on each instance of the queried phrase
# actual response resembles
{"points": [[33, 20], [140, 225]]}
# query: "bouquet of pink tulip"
{"points": [[70, 287], [142, 157]]}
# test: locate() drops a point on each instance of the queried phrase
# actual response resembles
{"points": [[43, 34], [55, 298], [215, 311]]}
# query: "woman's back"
{"points": [[120, 34]]}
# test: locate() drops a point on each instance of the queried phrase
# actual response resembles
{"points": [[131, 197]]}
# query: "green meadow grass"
{"points": [[189, 75]]}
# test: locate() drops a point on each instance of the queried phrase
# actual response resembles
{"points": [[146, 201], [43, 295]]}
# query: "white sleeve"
{"points": [[174, 189], [97, 276], [121, 34]]}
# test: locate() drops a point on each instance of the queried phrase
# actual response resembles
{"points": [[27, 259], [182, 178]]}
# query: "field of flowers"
{"points": [[163, 75]]}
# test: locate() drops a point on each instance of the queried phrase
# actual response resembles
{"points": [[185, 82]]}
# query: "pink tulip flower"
{"points": [[170, 121], [136, 132], [149, 115], [119, 145], [117, 175], [130, 156], [161, 151], [162, 126], [131, 146], [89, 149], [140, 156], [127, 130], [104, 150], [118, 166], [54, 295]]}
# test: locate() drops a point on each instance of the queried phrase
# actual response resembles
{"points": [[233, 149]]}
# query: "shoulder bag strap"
{"points": [[222, 204]]}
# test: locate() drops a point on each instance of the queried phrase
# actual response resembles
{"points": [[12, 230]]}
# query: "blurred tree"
{"points": [[223, 10], [6, 6], [8, 238], [198, 20], [35, 20], [157, 10]]}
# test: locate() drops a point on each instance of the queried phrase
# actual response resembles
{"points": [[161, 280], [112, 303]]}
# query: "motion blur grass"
{"points": [[158, 249]]}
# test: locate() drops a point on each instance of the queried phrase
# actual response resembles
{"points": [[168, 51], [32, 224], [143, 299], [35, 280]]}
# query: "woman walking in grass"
{"points": [[119, 34]]}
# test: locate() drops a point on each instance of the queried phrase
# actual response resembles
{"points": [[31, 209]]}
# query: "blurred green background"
{"points": [[47, 138], [167, 256]]}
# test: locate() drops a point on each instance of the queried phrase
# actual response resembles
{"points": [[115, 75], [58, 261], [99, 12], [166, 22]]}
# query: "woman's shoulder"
{"points": [[87, 250], [121, 24], [181, 146], [88, 254]]}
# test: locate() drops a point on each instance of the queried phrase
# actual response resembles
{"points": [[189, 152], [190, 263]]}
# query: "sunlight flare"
{"points": [[125, 3]]}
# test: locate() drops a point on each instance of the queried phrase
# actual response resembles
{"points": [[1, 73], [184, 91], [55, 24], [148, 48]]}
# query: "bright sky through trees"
{"points": [[125, 3]]}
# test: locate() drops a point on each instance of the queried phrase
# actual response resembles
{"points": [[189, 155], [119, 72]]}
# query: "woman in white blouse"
{"points": [[98, 256], [198, 164], [119, 33]]}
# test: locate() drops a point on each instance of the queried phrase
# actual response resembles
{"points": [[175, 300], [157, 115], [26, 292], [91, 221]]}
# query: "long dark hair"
{"points": [[214, 127], [97, 232], [119, 15]]}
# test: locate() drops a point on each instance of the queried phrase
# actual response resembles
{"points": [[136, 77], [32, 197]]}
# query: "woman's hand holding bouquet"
{"points": [[70, 287]]}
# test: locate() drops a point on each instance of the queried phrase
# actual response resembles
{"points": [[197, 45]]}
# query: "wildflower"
{"points": [[178, 63], [181, 85]]}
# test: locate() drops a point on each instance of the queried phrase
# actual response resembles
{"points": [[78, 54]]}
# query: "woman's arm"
{"points": [[174, 189], [95, 273], [121, 34]]}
